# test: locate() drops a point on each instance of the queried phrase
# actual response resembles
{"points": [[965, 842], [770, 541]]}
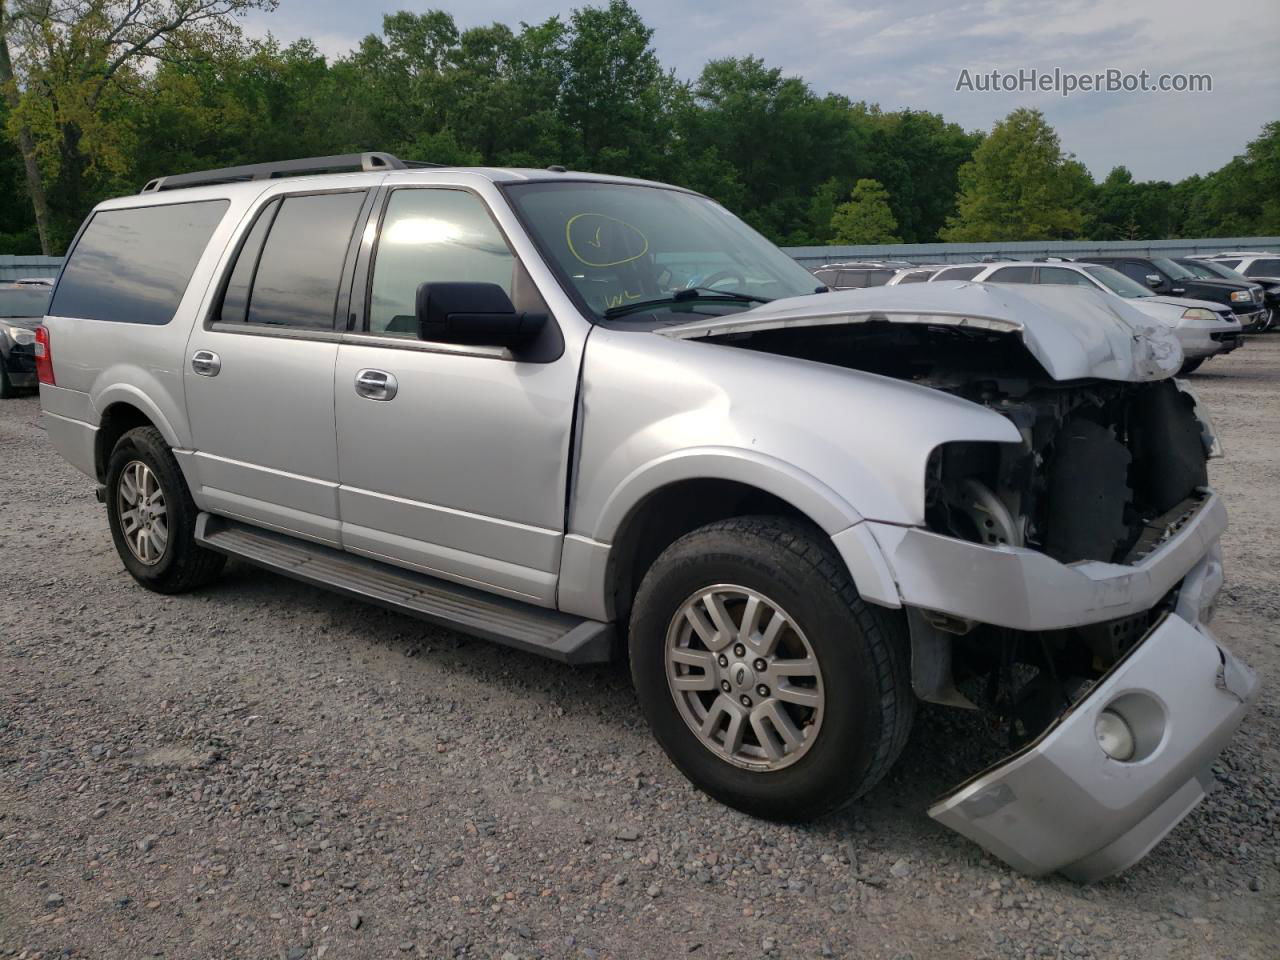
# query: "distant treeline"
{"points": [[102, 95]]}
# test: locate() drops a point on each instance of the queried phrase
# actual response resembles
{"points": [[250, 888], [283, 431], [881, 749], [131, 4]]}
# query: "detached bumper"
{"points": [[1061, 804]]}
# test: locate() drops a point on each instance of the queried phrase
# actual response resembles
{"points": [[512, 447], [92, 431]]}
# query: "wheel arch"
{"points": [[674, 496], [124, 412]]}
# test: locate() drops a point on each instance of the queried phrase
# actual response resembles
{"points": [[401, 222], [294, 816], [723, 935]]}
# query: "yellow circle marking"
{"points": [[595, 239]]}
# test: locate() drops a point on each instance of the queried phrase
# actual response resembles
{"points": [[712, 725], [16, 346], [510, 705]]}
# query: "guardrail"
{"points": [[1029, 250], [14, 268]]}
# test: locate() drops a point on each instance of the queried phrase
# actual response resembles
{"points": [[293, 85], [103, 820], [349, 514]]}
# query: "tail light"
{"points": [[44, 356]]}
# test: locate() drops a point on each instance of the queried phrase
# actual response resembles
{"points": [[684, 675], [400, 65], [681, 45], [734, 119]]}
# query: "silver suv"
{"points": [[593, 417]]}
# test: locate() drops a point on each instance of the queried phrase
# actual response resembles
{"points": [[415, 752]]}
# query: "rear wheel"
{"points": [[6, 385], [767, 680], [153, 517], [1190, 366]]}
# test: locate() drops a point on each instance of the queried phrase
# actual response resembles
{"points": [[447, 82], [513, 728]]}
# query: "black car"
{"points": [[1213, 270], [1164, 276], [22, 308]]}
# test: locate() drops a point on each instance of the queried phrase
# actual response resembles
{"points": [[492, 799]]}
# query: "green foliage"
{"points": [[866, 217], [109, 106], [1019, 184]]}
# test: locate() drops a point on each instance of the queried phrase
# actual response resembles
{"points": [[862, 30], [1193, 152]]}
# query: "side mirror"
{"points": [[1153, 279], [480, 314]]}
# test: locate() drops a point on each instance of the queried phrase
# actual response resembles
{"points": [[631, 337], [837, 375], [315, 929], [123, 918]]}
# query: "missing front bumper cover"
{"points": [[1061, 804]]}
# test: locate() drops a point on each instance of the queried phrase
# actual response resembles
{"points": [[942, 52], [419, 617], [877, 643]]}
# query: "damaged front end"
{"points": [[1063, 585]]}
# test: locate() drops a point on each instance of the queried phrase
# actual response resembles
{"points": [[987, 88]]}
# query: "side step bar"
{"points": [[559, 636]]}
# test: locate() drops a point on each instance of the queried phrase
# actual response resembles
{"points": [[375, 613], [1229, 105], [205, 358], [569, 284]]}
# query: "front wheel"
{"points": [[767, 680], [1190, 366], [153, 517]]}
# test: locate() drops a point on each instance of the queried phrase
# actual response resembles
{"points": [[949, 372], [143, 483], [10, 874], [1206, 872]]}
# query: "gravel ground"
{"points": [[265, 770]]}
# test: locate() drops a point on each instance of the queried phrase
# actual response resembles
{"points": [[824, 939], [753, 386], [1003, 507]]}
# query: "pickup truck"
{"points": [[593, 417]]}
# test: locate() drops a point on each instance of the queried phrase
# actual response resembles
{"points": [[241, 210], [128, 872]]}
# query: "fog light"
{"points": [[1114, 736]]}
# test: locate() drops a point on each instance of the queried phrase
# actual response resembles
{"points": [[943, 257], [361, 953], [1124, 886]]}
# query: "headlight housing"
{"points": [[1198, 313], [19, 335], [1241, 296]]}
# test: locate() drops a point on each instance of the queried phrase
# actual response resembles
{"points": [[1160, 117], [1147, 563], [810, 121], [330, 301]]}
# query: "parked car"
{"points": [[1204, 329], [1165, 277], [921, 274], [1253, 264], [476, 397], [857, 274], [1218, 270], [22, 307]]}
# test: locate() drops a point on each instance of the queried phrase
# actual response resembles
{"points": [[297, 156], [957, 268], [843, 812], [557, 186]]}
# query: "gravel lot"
{"points": [[264, 770]]}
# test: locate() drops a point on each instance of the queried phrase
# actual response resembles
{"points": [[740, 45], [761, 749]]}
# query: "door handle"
{"points": [[376, 384], [206, 363]]}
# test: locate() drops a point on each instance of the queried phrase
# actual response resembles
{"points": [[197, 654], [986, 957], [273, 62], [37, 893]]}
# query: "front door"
{"points": [[259, 373], [452, 460]]}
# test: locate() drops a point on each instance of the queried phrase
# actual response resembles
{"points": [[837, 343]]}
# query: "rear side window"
{"points": [[1012, 275], [133, 265], [917, 276], [957, 273], [1263, 268], [289, 268]]}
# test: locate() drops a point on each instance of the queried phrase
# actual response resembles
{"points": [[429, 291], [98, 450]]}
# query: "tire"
{"points": [[178, 564], [1190, 366], [862, 653], [6, 385]]}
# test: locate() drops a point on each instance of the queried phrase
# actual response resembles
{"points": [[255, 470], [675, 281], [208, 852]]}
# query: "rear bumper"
{"points": [[1061, 804], [20, 364], [1027, 590]]}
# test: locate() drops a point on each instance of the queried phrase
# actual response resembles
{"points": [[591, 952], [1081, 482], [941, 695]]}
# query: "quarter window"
{"points": [[133, 265], [433, 235]]}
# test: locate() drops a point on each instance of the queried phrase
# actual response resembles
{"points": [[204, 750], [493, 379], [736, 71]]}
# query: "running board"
{"points": [[550, 633]]}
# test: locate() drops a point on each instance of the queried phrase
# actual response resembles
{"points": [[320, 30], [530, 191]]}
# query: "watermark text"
{"points": [[1066, 83]]}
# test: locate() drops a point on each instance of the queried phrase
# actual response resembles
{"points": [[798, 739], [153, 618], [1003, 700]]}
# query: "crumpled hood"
{"points": [[1074, 332]]}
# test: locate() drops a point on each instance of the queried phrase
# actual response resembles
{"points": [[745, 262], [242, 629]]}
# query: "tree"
{"points": [[1019, 186], [61, 62], [865, 217]]}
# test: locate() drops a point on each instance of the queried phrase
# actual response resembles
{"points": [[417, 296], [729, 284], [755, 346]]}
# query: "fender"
{"points": [[585, 558], [120, 392], [803, 491]]}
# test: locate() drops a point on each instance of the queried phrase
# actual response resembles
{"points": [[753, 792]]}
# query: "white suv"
{"points": [[590, 417]]}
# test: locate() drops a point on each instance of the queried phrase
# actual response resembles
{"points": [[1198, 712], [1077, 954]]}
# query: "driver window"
{"points": [[432, 235]]}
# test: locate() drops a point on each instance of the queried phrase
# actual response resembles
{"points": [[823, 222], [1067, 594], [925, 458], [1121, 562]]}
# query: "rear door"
{"points": [[459, 466], [259, 370]]}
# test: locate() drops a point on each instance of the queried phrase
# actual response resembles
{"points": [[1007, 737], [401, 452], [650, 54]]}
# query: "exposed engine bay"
{"points": [[1106, 471]]}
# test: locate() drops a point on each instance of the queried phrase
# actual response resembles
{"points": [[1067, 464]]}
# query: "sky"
{"points": [[911, 54]]}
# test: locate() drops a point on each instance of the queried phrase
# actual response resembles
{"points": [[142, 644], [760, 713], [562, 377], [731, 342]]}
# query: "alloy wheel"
{"points": [[744, 677]]}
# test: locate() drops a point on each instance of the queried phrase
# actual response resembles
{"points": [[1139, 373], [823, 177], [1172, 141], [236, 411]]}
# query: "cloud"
{"points": [[908, 54]]}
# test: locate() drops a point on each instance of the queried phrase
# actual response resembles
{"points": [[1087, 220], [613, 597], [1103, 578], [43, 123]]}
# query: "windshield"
{"points": [[1118, 283], [620, 244], [1175, 270], [24, 301]]}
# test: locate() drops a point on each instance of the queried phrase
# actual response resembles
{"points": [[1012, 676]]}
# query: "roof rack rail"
{"points": [[338, 163]]}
